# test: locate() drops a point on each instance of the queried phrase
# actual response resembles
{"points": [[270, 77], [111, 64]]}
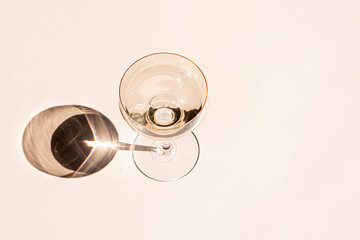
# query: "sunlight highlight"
{"points": [[100, 144]]}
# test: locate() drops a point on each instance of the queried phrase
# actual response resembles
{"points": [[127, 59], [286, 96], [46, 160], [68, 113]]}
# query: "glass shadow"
{"points": [[64, 141]]}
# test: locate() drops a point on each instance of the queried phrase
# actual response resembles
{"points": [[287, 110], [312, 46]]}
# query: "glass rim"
{"points": [[155, 54]]}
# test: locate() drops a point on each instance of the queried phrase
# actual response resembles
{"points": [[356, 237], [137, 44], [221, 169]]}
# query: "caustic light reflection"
{"points": [[61, 141]]}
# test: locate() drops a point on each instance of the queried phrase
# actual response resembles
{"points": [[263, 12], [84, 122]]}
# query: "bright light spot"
{"points": [[99, 144]]}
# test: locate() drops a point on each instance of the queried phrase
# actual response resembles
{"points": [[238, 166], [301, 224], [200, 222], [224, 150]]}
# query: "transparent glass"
{"points": [[163, 97]]}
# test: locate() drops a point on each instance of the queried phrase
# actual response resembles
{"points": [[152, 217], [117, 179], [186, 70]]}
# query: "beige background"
{"points": [[280, 143]]}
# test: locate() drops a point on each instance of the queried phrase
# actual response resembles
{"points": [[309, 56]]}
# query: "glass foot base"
{"points": [[172, 160]]}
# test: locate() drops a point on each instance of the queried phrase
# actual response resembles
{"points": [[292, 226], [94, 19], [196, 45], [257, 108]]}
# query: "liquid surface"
{"points": [[160, 121]]}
